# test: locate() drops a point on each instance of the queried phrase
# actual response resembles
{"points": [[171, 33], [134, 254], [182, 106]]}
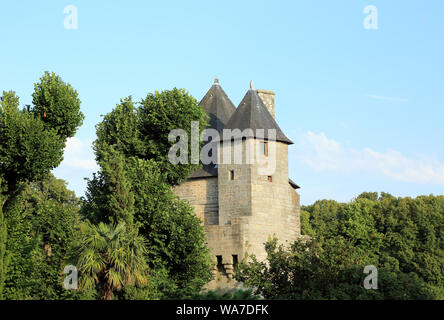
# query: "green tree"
{"points": [[44, 222], [57, 104], [174, 235], [110, 198], [162, 112], [3, 238], [110, 258], [401, 236], [32, 140], [414, 235], [406, 234], [28, 151], [138, 135], [315, 270], [112, 255], [142, 131]]}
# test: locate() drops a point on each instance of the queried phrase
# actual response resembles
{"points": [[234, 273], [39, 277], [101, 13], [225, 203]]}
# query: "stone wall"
{"points": [[234, 191], [259, 197], [245, 205], [274, 203], [203, 195]]}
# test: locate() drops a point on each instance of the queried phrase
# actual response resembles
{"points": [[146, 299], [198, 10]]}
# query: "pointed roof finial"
{"points": [[216, 80], [251, 85]]}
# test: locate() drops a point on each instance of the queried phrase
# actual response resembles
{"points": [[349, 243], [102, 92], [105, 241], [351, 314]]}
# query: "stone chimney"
{"points": [[267, 98]]}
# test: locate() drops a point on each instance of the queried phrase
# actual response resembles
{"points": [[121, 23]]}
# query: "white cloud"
{"points": [[323, 154], [74, 145], [393, 99], [79, 154]]}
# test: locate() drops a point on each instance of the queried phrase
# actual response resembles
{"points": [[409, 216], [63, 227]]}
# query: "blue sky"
{"points": [[365, 108]]}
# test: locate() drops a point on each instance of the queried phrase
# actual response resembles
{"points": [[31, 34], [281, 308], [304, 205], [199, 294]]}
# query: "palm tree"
{"points": [[111, 257]]}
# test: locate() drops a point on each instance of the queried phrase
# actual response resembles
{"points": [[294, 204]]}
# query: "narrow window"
{"points": [[264, 148], [231, 174], [220, 266], [270, 178], [235, 261]]}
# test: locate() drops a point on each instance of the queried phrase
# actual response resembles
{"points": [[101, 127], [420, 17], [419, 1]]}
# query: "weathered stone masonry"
{"points": [[239, 207]]}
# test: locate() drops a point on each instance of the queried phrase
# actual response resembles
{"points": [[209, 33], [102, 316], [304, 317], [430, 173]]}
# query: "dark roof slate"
{"points": [[252, 113], [293, 184], [218, 106], [204, 172]]}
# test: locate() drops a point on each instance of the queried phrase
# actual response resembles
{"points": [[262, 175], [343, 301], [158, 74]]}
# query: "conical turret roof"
{"points": [[252, 113], [218, 106], [219, 109]]}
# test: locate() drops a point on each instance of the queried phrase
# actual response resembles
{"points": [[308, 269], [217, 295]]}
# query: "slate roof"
{"points": [[252, 113], [293, 184], [218, 106], [204, 172]]}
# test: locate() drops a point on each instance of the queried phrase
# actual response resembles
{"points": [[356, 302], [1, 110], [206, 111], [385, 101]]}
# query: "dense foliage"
{"points": [[3, 238], [57, 104], [31, 145], [132, 143], [402, 237], [132, 238], [43, 224], [28, 151], [142, 131], [109, 258]]}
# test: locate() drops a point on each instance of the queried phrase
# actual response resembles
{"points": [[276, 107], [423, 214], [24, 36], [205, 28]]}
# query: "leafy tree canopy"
{"points": [[133, 143], [401, 236], [111, 257], [57, 104], [31, 145], [142, 131], [43, 224], [32, 140]]}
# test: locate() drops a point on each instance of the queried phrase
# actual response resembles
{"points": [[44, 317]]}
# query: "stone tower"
{"points": [[247, 197]]}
